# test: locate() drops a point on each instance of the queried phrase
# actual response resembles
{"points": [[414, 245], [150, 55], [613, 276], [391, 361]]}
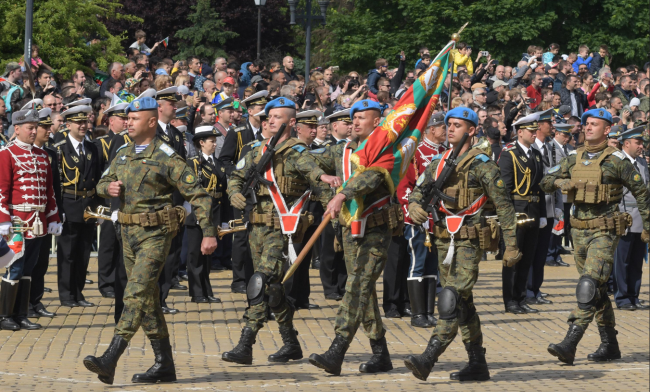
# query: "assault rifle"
{"points": [[433, 192], [255, 174]]}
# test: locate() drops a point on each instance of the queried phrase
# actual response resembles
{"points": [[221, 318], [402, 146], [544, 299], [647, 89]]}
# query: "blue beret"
{"points": [[364, 105], [463, 113], [597, 113], [142, 104], [279, 103]]}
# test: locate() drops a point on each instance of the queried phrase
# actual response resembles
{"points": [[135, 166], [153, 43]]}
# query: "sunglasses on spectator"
{"points": [[384, 85]]}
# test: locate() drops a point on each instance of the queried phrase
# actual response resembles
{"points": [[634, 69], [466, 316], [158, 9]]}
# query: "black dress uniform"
{"points": [[80, 168], [63, 132], [37, 289], [521, 172], [212, 177]]}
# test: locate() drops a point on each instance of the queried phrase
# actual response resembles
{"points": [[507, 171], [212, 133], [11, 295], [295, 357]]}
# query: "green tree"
{"points": [[69, 33], [206, 35]]}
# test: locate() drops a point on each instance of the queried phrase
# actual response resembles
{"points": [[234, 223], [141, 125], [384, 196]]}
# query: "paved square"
{"points": [[51, 359]]}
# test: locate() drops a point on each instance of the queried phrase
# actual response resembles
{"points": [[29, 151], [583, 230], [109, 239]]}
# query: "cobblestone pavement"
{"points": [[51, 359]]}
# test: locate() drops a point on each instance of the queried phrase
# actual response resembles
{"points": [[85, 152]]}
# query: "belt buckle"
{"points": [[144, 219]]}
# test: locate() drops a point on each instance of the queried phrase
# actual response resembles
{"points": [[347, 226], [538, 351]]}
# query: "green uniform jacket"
{"points": [[150, 177], [616, 169], [483, 173]]}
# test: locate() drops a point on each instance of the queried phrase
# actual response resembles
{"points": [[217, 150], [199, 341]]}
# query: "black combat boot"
{"points": [[243, 352], [380, 360], [418, 296], [105, 365], [421, 365], [21, 307], [291, 348], [608, 349], [566, 350], [476, 369], [432, 284], [163, 370], [332, 359], [8, 293]]}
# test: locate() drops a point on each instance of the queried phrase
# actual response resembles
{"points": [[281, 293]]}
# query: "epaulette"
{"points": [[299, 148], [121, 147], [482, 158], [239, 129], [124, 132], [167, 150], [509, 147], [619, 154], [194, 158], [256, 144], [101, 137], [573, 152], [436, 157], [317, 151], [62, 142]]}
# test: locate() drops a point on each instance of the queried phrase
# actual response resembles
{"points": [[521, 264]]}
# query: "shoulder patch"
{"points": [[619, 154], [499, 183], [483, 158], [554, 169], [299, 148], [256, 144], [637, 177], [167, 150], [121, 147], [62, 142], [420, 180], [573, 152], [317, 151], [189, 178], [241, 163]]}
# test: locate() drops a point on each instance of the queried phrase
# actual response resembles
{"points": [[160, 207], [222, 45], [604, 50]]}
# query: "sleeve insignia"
{"points": [[554, 169], [484, 158], [177, 139], [189, 178], [167, 150], [89, 156], [318, 151], [499, 183], [241, 164], [637, 177], [298, 148], [420, 180]]}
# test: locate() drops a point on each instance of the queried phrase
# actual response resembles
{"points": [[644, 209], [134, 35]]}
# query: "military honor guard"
{"points": [[521, 170], [594, 177], [144, 174], [631, 250], [365, 245], [423, 262], [292, 175], [460, 239], [212, 177], [80, 169], [63, 132], [225, 110], [28, 209]]}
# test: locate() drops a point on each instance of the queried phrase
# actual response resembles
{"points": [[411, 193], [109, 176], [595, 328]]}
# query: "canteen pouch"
{"points": [[622, 222], [489, 235]]}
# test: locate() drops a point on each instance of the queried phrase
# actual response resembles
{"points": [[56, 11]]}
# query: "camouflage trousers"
{"points": [[145, 250], [461, 275], [268, 247], [364, 259], [594, 256]]}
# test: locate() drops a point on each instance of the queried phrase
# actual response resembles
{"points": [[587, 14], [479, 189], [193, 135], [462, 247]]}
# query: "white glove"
{"points": [[542, 223], [188, 207], [63, 221], [114, 216], [54, 228], [5, 228], [559, 214]]}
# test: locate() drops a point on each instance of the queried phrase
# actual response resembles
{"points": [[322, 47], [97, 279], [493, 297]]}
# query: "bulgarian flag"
{"points": [[390, 147], [165, 41]]}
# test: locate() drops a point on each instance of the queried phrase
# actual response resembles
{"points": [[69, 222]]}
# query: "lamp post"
{"points": [[29, 19], [259, 4], [306, 18]]}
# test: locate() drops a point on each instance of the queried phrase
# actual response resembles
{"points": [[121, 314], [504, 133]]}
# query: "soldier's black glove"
{"points": [[417, 214], [238, 201]]}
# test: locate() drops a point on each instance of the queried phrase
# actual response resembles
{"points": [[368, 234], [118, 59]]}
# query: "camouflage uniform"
{"points": [[462, 273], [268, 244], [148, 180], [594, 247]]}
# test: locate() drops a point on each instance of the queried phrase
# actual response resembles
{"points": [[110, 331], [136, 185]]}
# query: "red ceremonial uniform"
{"points": [[26, 189], [423, 156]]}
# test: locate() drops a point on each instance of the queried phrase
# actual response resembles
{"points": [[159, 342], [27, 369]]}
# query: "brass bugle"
{"points": [[232, 227], [522, 218], [100, 214], [19, 226]]}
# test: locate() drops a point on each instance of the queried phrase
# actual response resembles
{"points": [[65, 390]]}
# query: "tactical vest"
{"points": [[289, 186], [586, 177], [457, 187]]}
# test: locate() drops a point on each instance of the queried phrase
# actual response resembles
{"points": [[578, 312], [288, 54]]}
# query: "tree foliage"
{"points": [[363, 30], [63, 30], [205, 35]]}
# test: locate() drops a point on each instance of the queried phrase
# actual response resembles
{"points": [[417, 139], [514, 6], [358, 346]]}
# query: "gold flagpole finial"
{"points": [[456, 36]]}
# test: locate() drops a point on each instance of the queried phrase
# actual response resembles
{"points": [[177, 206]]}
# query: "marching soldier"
{"points": [[274, 228], [476, 181], [521, 170], [143, 175], [36, 307], [26, 196], [212, 177], [630, 252], [594, 177], [365, 243], [80, 168], [108, 254]]}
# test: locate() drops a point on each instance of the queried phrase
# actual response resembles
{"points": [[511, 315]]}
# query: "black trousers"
{"points": [[119, 284], [37, 288], [297, 287], [169, 275], [396, 295], [333, 273], [198, 264], [73, 254], [536, 273], [108, 255], [513, 279], [242, 261]]}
